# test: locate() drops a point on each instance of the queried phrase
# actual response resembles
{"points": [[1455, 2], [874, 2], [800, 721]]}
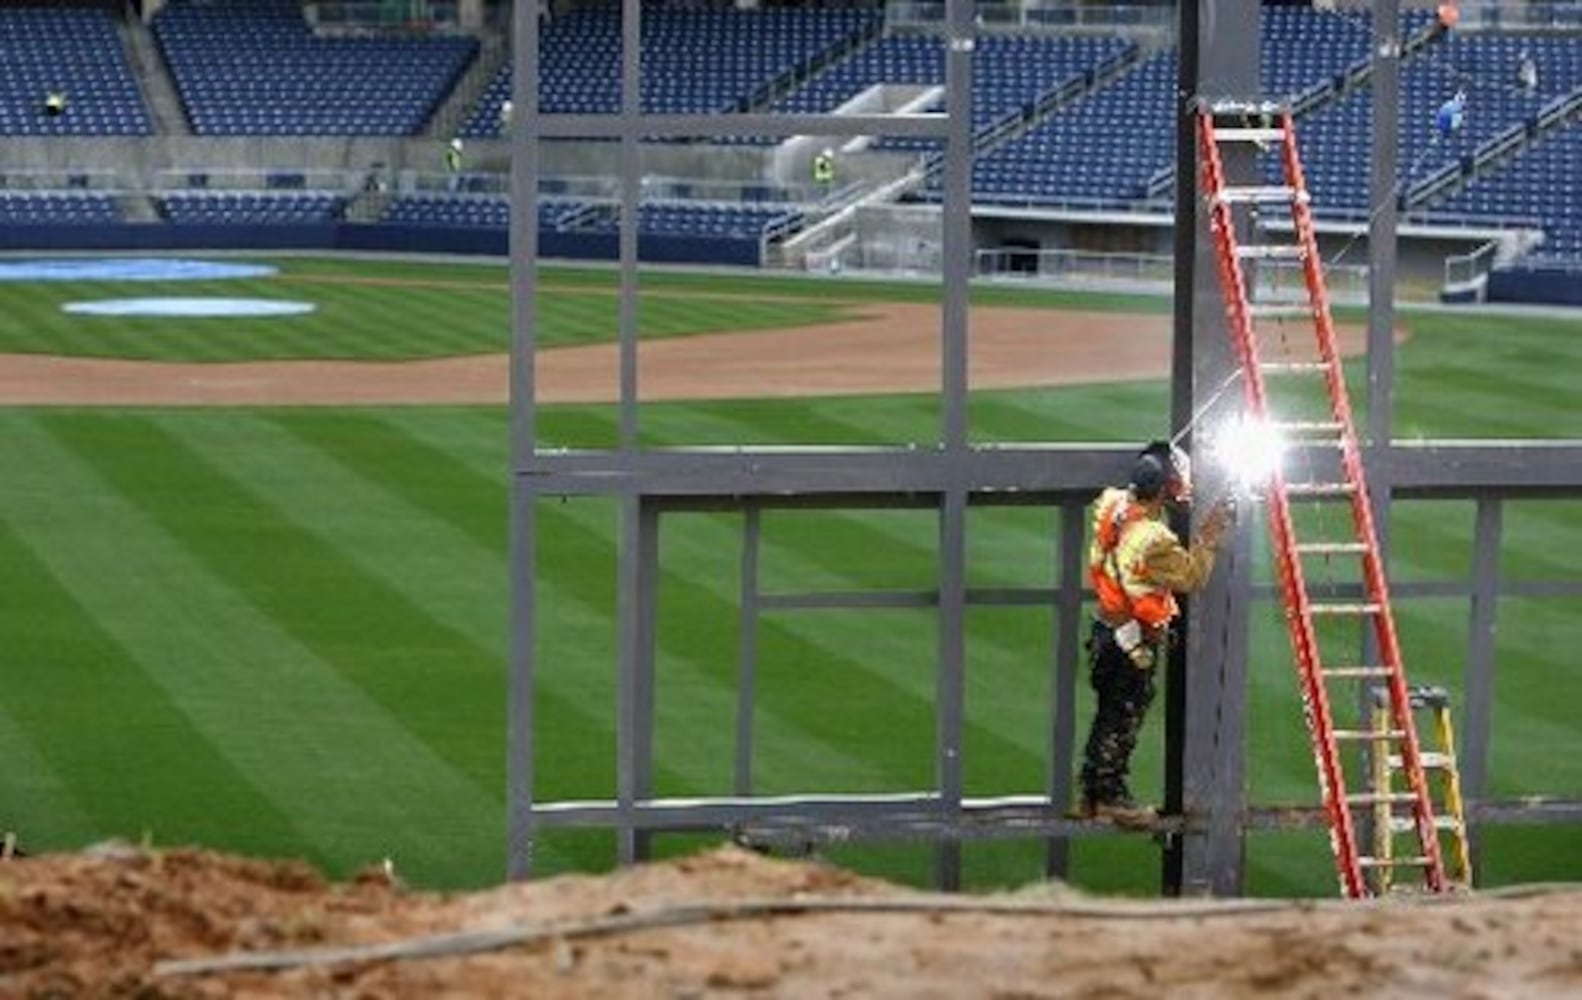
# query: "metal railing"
{"points": [[383, 17], [1467, 271], [1033, 14], [62, 180], [258, 179], [1528, 15]]}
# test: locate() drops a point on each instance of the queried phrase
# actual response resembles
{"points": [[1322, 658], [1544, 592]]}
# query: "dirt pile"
{"points": [[119, 920]]}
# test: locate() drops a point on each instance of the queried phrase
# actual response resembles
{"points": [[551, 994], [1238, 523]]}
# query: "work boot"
{"points": [[1123, 812]]}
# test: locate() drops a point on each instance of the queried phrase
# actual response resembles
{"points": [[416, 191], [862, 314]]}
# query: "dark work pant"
{"points": [[1124, 693]]}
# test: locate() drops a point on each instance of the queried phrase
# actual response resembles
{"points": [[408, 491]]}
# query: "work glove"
{"points": [[1130, 638], [1219, 518]]}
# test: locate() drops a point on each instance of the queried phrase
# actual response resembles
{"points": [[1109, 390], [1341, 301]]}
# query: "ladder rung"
{"points": [[1275, 310], [1230, 106], [1406, 824], [1344, 609], [1369, 735], [1292, 367], [1330, 548], [1415, 861], [1274, 194], [1320, 489], [1280, 251], [1307, 426], [1363, 672], [1248, 134], [1428, 696], [1375, 799], [1428, 758]]}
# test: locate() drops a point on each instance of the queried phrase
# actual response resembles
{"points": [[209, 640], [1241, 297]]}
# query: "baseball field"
{"points": [[253, 570]]}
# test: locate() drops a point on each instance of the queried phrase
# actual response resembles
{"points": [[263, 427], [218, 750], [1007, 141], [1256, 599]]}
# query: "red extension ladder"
{"points": [[1398, 798]]}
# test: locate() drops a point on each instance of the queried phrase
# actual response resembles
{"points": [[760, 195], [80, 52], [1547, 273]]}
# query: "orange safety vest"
{"points": [[1123, 532]]}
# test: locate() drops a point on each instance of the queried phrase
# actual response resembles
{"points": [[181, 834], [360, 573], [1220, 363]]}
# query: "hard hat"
{"points": [[1162, 469], [455, 144], [828, 151]]}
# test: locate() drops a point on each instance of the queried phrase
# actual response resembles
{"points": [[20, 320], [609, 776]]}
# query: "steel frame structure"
{"points": [[1204, 710]]}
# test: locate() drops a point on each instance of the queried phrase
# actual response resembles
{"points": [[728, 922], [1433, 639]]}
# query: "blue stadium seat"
{"points": [[253, 67]]}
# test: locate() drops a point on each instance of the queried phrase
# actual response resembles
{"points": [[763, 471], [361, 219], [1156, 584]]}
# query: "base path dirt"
{"points": [[118, 921], [891, 348]]}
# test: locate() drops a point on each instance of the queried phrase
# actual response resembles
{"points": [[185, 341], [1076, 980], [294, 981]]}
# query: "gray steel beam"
{"points": [[747, 660], [950, 687], [927, 125], [1031, 473], [1213, 673], [1478, 679], [1189, 38], [523, 513], [629, 183], [1063, 673], [1382, 219], [956, 242], [770, 473], [826, 819]]}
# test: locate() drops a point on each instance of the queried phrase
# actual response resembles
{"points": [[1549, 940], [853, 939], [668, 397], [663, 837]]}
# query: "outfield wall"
{"points": [[660, 249]]}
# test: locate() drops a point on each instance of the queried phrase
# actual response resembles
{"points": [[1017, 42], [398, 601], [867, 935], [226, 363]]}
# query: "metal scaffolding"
{"points": [[1207, 815]]}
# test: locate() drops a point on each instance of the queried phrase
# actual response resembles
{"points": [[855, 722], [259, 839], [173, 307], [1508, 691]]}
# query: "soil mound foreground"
{"points": [[121, 921]]}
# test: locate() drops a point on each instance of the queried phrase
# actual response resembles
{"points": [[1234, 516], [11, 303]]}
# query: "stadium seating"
{"points": [[672, 218], [250, 207], [694, 59], [1012, 73], [57, 208], [77, 53], [253, 67], [1112, 148], [1540, 186], [1483, 65]]}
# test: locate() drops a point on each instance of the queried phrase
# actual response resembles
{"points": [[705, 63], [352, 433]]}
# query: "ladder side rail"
{"points": [[1453, 801], [1362, 512], [1320, 722]]}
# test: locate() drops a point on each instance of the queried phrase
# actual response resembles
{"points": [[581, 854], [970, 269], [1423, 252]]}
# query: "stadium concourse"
{"points": [[126, 921]]}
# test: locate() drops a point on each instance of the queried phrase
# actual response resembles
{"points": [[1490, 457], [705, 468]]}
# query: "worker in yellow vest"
{"points": [[1137, 565], [824, 168]]}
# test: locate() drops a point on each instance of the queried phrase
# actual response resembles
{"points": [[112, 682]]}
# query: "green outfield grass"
{"points": [[283, 632]]}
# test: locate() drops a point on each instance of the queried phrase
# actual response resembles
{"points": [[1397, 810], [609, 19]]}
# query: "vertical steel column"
{"points": [[1382, 195], [636, 581], [747, 675], [956, 241], [1063, 673], [1213, 674], [523, 525], [1477, 685], [1184, 307], [1382, 219]]}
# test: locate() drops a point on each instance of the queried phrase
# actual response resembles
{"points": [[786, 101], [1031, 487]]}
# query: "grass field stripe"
{"points": [[35, 800], [432, 555], [436, 485], [351, 777], [103, 730], [427, 675]]}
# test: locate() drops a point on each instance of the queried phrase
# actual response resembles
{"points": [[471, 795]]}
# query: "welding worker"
{"points": [[1137, 565]]}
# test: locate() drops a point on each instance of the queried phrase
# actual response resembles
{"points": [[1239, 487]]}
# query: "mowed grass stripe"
{"points": [[350, 781], [35, 798], [413, 666], [287, 699], [576, 581], [373, 495], [100, 745]]}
